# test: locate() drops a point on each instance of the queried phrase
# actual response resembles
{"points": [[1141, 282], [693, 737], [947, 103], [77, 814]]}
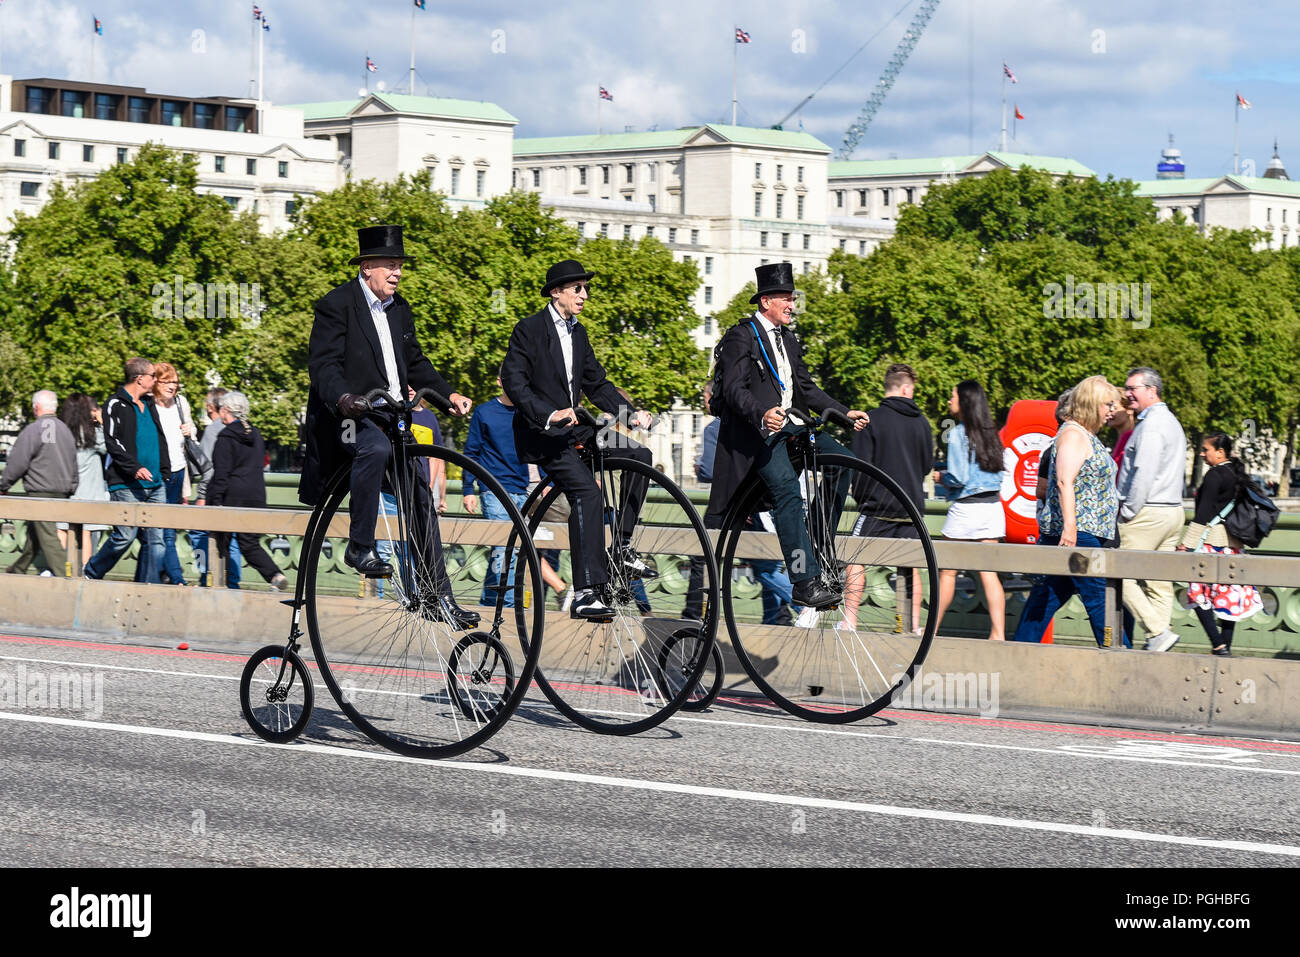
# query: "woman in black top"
{"points": [[237, 481], [1228, 604]]}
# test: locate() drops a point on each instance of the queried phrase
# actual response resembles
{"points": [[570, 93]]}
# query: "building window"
{"points": [[1283, 214], [282, 169], [537, 178], [780, 204], [672, 234], [20, 147], [798, 207], [30, 190], [205, 116], [649, 230], [480, 182], [708, 295], [218, 164], [806, 267], [779, 170], [39, 100], [862, 247], [604, 229], [106, 105], [189, 157], [758, 171], [763, 262], [908, 192], [686, 259], [758, 204], [582, 176], [231, 201], [695, 237], [762, 239], [708, 265], [839, 199], [785, 240], [650, 172], [289, 207], [514, 179], [627, 198], [627, 232], [173, 112], [72, 103], [627, 172], [236, 119], [137, 109], [54, 151], [801, 174], [708, 325], [1268, 213], [87, 153], [604, 175], [121, 154], [455, 181], [843, 243], [807, 241], [250, 167], [582, 230], [884, 196], [654, 202]]}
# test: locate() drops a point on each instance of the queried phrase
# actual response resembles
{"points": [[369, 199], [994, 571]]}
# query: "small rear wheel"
{"points": [[681, 660], [275, 694], [480, 676]]}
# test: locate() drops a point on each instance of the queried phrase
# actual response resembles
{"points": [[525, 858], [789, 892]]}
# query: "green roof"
{"points": [[405, 103], [954, 164], [663, 139], [1178, 187]]}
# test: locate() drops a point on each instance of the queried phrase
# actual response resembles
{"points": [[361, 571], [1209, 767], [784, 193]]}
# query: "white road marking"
{"points": [[666, 787]]}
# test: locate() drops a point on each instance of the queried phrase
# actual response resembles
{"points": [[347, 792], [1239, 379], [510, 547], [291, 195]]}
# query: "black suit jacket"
{"points": [[344, 355], [534, 378], [748, 391]]}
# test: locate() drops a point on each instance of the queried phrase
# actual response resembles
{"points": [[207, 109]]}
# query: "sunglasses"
{"points": [[581, 287]]}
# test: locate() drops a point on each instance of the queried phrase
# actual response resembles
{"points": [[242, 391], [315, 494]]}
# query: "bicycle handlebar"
{"points": [[839, 418], [435, 398]]}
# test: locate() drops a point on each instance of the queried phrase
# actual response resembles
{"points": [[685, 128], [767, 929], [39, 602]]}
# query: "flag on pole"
{"points": [[99, 30], [420, 4], [741, 36], [1019, 115], [1010, 76], [1243, 102], [606, 95], [266, 24], [370, 65], [257, 12]]}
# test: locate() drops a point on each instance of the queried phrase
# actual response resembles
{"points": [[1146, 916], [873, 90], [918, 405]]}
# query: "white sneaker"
{"points": [[808, 618], [47, 574], [1163, 641]]}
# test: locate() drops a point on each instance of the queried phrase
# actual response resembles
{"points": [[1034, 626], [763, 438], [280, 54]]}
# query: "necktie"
{"points": [[780, 345]]}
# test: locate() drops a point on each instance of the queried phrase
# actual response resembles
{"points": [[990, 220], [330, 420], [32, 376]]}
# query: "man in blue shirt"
{"points": [[137, 464]]}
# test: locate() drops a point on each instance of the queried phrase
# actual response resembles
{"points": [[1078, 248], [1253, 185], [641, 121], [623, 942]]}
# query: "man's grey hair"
{"points": [[45, 399], [1149, 377]]}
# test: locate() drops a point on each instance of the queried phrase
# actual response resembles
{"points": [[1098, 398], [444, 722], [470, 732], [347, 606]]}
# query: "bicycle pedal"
{"points": [[291, 602]]}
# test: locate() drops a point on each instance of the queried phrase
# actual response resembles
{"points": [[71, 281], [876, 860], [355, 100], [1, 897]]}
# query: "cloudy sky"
{"points": [[1102, 81]]}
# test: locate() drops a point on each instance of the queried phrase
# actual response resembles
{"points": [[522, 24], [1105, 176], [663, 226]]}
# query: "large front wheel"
{"points": [[870, 546]]}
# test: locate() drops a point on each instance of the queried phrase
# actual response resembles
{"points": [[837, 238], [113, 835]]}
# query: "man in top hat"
{"points": [[548, 367], [765, 401], [363, 339]]}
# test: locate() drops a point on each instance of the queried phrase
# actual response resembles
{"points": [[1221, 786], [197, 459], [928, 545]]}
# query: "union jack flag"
{"points": [[370, 65], [741, 36], [266, 24], [99, 26], [1010, 76], [257, 12], [606, 95], [1245, 103]]}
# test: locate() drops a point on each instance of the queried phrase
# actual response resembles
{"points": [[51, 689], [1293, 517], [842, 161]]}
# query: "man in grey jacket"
{"points": [[1151, 478], [45, 458]]}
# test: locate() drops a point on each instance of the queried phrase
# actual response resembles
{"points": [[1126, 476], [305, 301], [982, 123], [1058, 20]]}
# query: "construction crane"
{"points": [[904, 49]]}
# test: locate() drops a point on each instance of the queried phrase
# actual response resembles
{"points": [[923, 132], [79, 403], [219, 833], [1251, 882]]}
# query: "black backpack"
{"points": [[1252, 517], [717, 406]]}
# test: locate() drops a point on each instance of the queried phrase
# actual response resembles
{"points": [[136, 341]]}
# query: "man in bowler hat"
{"points": [[363, 339], [766, 396], [549, 365]]}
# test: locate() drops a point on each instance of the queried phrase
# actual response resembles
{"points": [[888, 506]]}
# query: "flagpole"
{"points": [[1236, 119], [252, 58], [598, 99], [261, 39], [1004, 108], [734, 56], [411, 82]]}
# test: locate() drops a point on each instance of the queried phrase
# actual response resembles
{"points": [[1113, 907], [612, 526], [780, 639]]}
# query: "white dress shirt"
{"points": [[380, 316], [778, 356], [564, 329]]}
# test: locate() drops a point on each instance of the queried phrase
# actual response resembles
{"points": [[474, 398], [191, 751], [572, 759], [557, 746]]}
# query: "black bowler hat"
{"points": [[568, 271], [773, 277], [380, 242]]}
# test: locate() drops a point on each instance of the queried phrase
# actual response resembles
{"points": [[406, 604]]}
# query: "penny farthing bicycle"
{"points": [[397, 665]]}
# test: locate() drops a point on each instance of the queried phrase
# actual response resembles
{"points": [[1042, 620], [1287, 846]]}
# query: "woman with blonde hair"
{"points": [[1081, 508], [177, 426]]}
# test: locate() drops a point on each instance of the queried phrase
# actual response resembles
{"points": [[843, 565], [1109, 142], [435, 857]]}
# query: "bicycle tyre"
{"points": [[274, 716], [387, 662], [863, 667], [605, 677], [706, 672], [489, 666]]}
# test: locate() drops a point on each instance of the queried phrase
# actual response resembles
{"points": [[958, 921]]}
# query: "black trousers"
{"points": [[586, 511], [250, 547]]}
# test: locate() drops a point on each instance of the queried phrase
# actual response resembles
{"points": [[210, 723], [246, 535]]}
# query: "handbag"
{"points": [[200, 465]]}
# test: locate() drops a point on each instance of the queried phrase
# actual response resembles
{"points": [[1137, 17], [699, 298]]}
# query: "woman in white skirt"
{"points": [[972, 482]]}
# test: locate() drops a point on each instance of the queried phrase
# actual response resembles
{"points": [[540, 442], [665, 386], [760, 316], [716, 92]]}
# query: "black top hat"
{"points": [[773, 277], [380, 242], [568, 271]]}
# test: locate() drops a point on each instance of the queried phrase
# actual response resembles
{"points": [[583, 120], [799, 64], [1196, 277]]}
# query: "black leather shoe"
{"points": [[589, 605], [634, 566], [446, 609], [367, 561], [811, 594]]}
